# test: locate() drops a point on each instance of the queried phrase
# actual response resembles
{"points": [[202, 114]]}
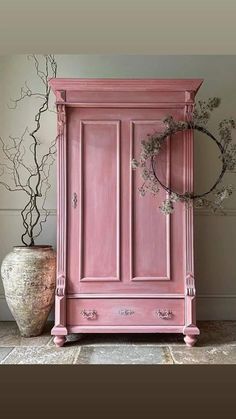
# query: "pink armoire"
{"points": [[122, 266]]}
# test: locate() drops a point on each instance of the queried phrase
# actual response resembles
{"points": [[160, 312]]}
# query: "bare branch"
{"points": [[9, 188], [25, 91], [33, 179]]}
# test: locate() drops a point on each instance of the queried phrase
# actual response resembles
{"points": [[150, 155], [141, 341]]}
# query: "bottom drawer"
{"points": [[120, 312]]}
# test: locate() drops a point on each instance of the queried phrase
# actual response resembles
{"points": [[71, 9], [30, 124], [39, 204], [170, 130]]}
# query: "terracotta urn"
{"points": [[29, 278]]}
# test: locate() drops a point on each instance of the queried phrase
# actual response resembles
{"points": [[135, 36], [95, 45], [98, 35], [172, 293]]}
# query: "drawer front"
{"points": [[120, 312]]}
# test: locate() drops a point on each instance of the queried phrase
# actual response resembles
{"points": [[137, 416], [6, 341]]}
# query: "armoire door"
{"points": [[118, 241]]}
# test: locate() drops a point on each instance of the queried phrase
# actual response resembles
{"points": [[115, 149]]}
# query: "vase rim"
{"points": [[35, 247]]}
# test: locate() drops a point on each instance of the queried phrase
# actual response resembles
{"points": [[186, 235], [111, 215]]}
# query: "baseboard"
{"points": [[216, 307], [209, 307]]}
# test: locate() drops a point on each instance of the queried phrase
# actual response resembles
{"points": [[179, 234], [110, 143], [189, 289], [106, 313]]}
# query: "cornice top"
{"points": [[109, 84]]}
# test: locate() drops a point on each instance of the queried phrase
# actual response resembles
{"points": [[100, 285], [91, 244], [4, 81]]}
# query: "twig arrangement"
{"points": [[151, 147], [22, 163]]}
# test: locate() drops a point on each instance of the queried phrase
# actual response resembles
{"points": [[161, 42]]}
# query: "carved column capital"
{"points": [[61, 118], [189, 96], [60, 96], [190, 285], [61, 284], [189, 108]]}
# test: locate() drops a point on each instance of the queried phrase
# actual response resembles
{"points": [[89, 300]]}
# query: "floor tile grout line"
{"points": [[4, 359], [172, 355], [76, 356], [49, 342]]}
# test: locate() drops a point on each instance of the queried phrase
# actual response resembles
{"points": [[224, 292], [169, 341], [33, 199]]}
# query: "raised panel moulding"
{"points": [[166, 275], [101, 229]]}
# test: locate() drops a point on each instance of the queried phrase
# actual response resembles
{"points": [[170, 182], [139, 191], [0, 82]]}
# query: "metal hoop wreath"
{"points": [[223, 170]]}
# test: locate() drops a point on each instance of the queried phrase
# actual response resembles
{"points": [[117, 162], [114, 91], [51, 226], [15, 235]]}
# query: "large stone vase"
{"points": [[29, 279]]}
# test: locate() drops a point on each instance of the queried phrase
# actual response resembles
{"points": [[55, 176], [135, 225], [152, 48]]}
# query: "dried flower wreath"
{"points": [[151, 147]]}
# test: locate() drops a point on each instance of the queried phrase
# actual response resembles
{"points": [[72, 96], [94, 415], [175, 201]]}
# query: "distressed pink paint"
{"points": [[122, 265], [125, 312]]}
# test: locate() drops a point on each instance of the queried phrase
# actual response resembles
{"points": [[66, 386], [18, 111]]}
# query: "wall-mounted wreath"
{"points": [[151, 146]]}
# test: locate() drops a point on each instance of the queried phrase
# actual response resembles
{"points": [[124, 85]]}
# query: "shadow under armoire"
{"points": [[122, 265]]}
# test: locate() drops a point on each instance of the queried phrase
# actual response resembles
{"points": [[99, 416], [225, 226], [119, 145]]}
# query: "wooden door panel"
{"points": [[150, 230], [118, 241], [99, 200]]}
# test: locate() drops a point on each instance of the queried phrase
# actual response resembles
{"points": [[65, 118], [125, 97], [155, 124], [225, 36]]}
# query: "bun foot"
{"points": [[190, 340], [59, 341]]}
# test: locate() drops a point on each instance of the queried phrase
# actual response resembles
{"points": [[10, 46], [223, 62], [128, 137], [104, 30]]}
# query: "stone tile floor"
{"points": [[216, 345]]}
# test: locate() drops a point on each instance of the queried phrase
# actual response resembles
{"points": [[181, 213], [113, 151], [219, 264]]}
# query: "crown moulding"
{"points": [[61, 85]]}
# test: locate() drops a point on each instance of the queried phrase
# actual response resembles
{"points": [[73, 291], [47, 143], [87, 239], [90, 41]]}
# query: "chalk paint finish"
{"points": [[122, 266]]}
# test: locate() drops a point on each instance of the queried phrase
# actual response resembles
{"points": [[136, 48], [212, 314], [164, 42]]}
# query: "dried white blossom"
{"points": [[223, 193], [199, 203], [134, 164], [229, 157], [142, 191], [174, 197], [167, 207]]}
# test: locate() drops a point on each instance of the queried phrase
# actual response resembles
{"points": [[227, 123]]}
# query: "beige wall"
{"points": [[215, 236]]}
